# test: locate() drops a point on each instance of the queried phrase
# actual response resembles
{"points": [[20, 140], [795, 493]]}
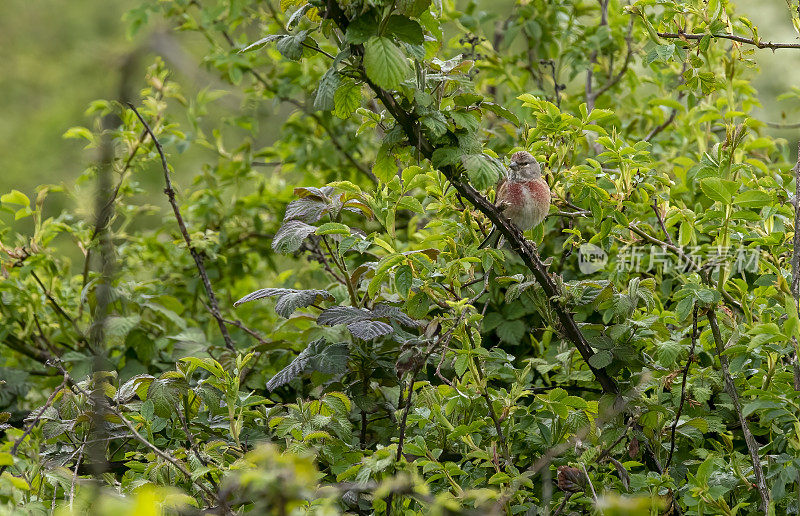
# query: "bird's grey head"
{"points": [[524, 166]]}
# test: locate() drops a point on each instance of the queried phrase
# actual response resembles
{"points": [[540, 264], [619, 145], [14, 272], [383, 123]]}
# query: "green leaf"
{"points": [[511, 332], [482, 170], [384, 62], [384, 167], [289, 299], [333, 228], [601, 359], [290, 236], [445, 156], [752, 199], [405, 29], [500, 111], [165, 393], [361, 29], [718, 189], [347, 98], [291, 47], [403, 278], [324, 100], [15, 197]]}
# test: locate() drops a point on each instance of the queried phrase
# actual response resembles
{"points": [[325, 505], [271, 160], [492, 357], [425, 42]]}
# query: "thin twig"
{"points": [[411, 126], [34, 421], [689, 361], [155, 449], [58, 307], [406, 409], [628, 54], [198, 258], [730, 388], [482, 384], [673, 112], [739, 39], [619, 439], [796, 265], [594, 493]]}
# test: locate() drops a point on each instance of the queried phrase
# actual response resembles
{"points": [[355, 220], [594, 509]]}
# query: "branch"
{"points": [[136, 435], [590, 97], [628, 54], [739, 39], [796, 240], [198, 258], [796, 266], [406, 409], [411, 126], [673, 113], [683, 387], [730, 388]]}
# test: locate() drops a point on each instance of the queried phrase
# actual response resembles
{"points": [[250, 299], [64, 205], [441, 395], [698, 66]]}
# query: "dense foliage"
{"points": [[377, 360]]}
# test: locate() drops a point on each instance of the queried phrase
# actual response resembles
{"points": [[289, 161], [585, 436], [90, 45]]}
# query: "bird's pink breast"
{"points": [[527, 202]]}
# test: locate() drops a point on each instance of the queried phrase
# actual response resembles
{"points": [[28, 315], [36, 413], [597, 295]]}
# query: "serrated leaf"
{"points": [[331, 359], [290, 236], [166, 393], [445, 156], [511, 332], [347, 98], [601, 359], [289, 299], [324, 100], [291, 47], [482, 170], [403, 278], [359, 321], [308, 209], [384, 62]]}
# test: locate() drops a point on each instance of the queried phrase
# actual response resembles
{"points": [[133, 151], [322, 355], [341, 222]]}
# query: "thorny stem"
{"points": [[730, 388], [198, 258], [689, 361]]}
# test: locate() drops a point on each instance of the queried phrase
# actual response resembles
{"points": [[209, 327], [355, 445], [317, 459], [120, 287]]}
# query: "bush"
{"points": [[637, 354]]}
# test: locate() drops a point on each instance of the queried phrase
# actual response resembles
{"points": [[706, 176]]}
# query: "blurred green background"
{"points": [[56, 56]]}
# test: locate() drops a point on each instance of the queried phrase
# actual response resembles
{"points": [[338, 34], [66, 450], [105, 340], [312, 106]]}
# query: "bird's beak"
{"points": [[513, 165]]}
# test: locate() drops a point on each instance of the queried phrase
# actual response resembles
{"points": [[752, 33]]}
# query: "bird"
{"points": [[523, 196]]}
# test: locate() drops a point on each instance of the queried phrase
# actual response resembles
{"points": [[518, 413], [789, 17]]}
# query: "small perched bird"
{"points": [[523, 195]]}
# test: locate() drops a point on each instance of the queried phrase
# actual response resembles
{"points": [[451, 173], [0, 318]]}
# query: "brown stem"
{"points": [[796, 265], [198, 258], [747, 41], [683, 387], [406, 409], [730, 388], [411, 126]]}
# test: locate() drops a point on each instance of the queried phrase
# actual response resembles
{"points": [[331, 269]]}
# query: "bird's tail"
{"points": [[492, 240]]}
